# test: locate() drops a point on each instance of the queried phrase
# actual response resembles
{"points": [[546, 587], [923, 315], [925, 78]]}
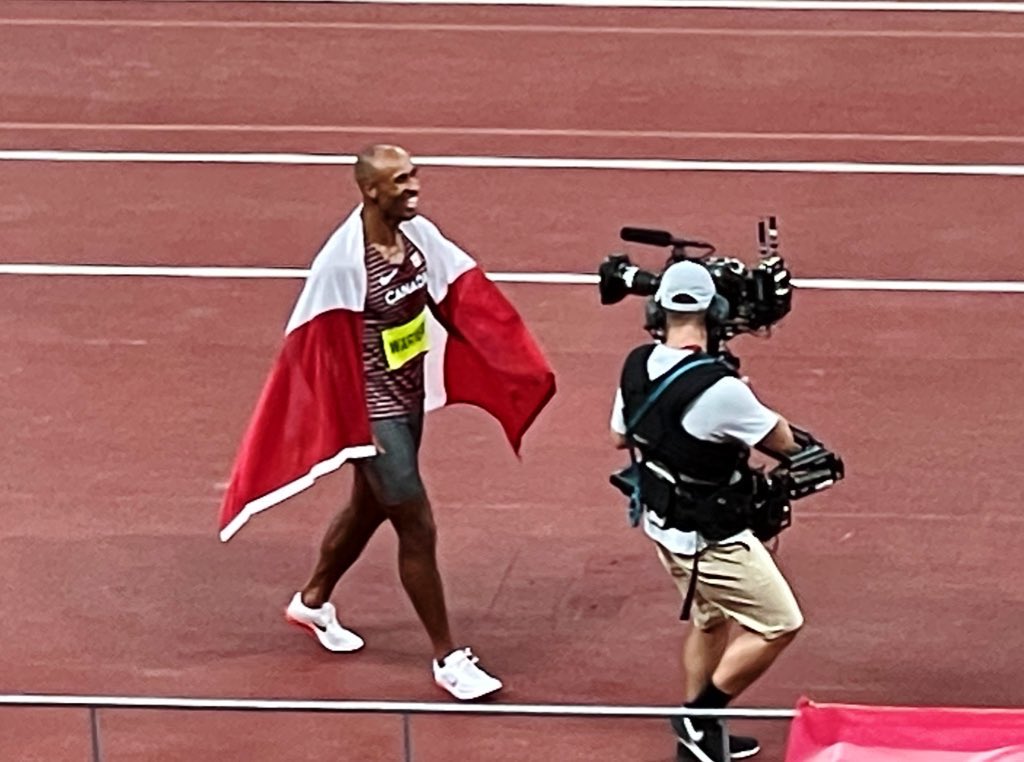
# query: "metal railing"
{"points": [[404, 709]]}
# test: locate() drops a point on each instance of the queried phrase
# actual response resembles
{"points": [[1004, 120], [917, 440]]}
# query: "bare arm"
{"points": [[780, 439], [618, 422]]}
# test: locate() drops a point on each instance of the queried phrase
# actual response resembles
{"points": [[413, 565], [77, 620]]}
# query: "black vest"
{"points": [[701, 491]]}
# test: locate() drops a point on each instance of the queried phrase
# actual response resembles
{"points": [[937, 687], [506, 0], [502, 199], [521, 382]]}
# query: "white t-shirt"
{"points": [[727, 411]]}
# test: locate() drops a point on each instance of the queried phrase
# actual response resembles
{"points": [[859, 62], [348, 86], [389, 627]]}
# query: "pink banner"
{"points": [[849, 733]]}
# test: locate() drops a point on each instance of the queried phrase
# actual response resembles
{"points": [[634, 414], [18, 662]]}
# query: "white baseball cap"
{"points": [[685, 287]]}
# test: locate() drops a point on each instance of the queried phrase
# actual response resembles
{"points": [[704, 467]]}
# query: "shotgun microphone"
{"points": [[652, 237]]}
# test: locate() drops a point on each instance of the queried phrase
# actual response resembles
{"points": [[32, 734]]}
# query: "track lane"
{"points": [[956, 228], [532, 142], [326, 13], [543, 77]]}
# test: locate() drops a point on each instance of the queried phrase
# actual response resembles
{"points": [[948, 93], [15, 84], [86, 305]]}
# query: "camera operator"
{"points": [[690, 448]]}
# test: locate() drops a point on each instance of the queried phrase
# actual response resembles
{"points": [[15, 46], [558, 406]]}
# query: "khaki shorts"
{"points": [[739, 581]]}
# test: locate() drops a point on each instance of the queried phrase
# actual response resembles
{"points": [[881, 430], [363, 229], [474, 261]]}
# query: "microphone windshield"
{"points": [[646, 236]]}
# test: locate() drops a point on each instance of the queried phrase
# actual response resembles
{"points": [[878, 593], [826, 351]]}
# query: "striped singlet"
{"points": [[396, 295]]}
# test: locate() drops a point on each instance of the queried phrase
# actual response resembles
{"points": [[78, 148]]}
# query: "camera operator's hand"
{"points": [[729, 359]]}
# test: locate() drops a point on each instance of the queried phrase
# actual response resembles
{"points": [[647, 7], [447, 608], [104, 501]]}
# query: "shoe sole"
{"points": [[470, 697], [745, 754], [314, 633]]}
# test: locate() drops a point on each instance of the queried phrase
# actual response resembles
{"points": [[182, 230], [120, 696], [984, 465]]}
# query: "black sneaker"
{"points": [[740, 747], [743, 747], [700, 740]]}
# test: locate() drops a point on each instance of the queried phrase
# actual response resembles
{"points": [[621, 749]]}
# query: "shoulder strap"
{"points": [[687, 364], [636, 363]]}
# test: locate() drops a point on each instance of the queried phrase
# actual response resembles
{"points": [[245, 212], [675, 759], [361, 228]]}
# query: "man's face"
{"points": [[396, 188]]}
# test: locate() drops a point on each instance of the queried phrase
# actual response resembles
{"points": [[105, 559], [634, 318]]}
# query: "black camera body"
{"points": [[752, 298]]}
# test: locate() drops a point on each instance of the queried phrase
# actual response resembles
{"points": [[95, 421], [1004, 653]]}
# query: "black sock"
{"points": [[444, 659], [710, 698]]}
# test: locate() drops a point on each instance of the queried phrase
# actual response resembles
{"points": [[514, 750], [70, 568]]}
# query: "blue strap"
{"points": [[632, 473], [665, 384]]}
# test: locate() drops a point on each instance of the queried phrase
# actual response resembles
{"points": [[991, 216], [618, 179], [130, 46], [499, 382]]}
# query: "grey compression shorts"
{"points": [[394, 474]]}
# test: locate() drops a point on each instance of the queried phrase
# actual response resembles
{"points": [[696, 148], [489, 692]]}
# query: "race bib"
{"points": [[406, 341]]}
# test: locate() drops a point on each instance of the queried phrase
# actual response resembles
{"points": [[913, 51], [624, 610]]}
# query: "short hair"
{"points": [[684, 318], [366, 162]]}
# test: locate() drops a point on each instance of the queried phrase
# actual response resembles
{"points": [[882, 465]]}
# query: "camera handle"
{"points": [[680, 253], [768, 237], [810, 469]]}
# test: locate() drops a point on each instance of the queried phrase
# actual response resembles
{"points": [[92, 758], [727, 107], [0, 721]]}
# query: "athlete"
{"points": [[388, 486]]}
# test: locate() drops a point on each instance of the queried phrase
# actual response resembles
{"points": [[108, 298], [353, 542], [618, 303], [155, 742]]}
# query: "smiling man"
{"points": [[388, 485], [353, 382]]}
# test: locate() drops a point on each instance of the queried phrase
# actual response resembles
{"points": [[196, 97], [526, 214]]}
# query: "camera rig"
{"points": [[756, 297], [798, 474]]}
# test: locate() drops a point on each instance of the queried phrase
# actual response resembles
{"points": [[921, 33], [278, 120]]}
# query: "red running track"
{"points": [[861, 86], [126, 397]]}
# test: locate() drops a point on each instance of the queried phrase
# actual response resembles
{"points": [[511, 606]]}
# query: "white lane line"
{"points": [[155, 271], [518, 162], [330, 129], [558, 29], [853, 284], [767, 5], [553, 278]]}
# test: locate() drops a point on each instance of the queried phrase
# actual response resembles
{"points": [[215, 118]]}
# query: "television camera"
{"points": [[752, 298]]}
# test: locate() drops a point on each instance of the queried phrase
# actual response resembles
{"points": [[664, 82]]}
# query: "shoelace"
{"points": [[467, 654]]}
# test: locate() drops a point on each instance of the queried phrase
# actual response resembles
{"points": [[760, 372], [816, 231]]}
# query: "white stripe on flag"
{"points": [[293, 488], [433, 365]]}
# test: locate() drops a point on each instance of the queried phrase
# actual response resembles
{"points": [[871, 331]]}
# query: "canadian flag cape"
{"points": [[311, 416]]}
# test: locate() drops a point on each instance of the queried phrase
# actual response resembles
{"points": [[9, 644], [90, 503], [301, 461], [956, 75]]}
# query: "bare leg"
{"points": [[344, 541], [746, 659], [417, 567], [702, 653]]}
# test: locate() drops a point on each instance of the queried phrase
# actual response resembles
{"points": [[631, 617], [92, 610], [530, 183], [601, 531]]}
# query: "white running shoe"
{"points": [[323, 623], [462, 678]]}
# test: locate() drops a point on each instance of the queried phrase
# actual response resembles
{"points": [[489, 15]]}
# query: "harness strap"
{"points": [[691, 589], [635, 510], [662, 386]]}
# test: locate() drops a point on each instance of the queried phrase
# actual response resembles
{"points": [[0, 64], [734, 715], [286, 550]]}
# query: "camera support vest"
{"points": [[688, 483], [659, 434]]}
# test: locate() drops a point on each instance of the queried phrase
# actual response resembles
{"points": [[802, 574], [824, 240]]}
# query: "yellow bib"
{"points": [[406, 341]]}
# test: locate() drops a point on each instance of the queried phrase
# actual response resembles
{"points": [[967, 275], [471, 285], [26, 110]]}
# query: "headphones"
{"points": [[718, 311]]}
